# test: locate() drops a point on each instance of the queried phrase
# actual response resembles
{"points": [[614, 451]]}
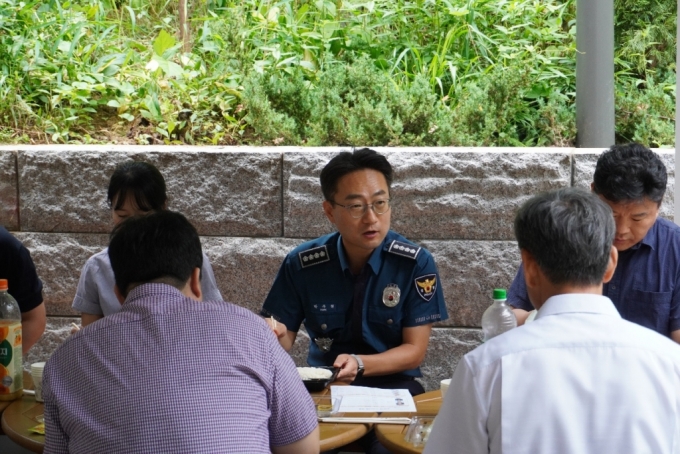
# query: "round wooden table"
{"points": [[337, 435], [20, 416], [392, 435]]}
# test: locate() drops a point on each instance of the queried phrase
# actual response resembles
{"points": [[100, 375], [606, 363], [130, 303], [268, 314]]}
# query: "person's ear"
{"points": [[119, 295], [328, 211], [592, 187], [195, 284], [531, 269], [611, 265]]}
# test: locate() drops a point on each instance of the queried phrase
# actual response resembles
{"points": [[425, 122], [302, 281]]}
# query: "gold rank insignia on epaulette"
{"points": [[404, 249], [313, 256]]}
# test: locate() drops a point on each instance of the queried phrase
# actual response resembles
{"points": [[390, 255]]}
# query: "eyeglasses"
{"points": [[358, 210]]}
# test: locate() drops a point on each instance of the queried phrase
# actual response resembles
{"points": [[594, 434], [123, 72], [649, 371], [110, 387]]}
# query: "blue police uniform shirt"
{"points": [[646, 285], [314, 285]]}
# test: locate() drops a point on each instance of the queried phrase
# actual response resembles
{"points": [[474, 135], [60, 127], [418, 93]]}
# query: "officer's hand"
{"points": [[348, 368], [278, 328]]}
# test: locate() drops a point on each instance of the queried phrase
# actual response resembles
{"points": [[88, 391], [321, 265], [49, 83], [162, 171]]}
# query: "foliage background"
{"points": [[323, 72]]}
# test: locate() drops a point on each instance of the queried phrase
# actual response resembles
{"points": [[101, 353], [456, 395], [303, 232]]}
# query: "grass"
{"points": [[322, 72]]}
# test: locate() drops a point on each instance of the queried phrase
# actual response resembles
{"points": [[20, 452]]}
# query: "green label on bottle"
{"points": [[5, 353]]}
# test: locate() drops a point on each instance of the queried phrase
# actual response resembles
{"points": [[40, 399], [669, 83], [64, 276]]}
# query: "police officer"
{"points": [[368, 296]]}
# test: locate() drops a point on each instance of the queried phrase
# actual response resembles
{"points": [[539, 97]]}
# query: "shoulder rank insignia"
{"points": [[313, 256], [426, 286], [404, 249]]}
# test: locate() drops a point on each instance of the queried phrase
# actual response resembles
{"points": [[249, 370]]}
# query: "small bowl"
{"points": [[319, 384]]}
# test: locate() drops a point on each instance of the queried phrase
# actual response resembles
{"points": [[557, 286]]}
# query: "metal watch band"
{"points": [[360, 371]]}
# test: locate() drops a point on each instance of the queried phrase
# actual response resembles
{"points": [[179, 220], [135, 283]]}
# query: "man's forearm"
{"points": [[408, 355], [33, 325], [675, 335], [394, 360], [287, 340]]}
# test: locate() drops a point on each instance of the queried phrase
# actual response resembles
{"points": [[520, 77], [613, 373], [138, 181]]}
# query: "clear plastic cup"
{"points": [[36, 374], [444, 386]]}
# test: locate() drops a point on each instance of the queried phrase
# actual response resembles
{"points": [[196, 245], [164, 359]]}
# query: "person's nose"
{"points": [[622, 227], [370, 216]]}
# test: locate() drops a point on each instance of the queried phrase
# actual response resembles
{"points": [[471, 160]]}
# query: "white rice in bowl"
{"points": [[314, 373]]}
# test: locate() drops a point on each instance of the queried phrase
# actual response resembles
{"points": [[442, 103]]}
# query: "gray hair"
{"points": [[569, 232]]}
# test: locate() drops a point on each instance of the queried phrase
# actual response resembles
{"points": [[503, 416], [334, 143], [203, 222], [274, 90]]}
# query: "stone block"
{"points": [[584, 168], [447, 346], [469, 271], [57, 330], [9, 191], [58, 259], [300, 348], [223, 192], [461, 193], [302, 198], [245, 268]]}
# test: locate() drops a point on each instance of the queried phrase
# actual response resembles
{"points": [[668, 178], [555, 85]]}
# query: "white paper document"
{"points": [[360, 399]]}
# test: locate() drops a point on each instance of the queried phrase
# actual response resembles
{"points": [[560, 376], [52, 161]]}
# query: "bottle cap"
{"points": [[3, 284], [499, 294]]}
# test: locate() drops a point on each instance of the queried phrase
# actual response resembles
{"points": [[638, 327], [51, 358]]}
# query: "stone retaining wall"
{"points": [[252, 205]]}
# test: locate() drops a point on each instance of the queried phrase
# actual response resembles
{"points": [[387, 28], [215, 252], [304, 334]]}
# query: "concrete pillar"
{"points": [[677, 117], [595, 73]]}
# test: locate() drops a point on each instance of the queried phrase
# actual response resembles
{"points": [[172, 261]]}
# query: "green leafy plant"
{"points": [[321, 72]]}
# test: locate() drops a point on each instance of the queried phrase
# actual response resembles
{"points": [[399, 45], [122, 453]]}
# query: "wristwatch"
{"points": [[360, 370]]}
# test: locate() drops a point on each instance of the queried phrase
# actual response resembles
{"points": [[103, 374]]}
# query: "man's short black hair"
{"points": [[569, 232], [631, 172], [160, 247], [347, 162]]}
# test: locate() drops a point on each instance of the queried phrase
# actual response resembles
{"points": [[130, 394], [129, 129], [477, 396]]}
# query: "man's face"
{"points": [[633, 221], [360, 236]]}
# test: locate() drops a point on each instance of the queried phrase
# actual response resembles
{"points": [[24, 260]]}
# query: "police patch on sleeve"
{"points": [[426, 286], [313, 256], [404, 249]]}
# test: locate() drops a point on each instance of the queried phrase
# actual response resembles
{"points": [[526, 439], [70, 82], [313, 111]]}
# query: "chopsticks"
{"points": [[367, 420]]}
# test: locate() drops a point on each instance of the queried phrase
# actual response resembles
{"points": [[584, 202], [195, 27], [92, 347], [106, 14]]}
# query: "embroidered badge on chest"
{"points": [[426, 286], [391, 295], [324, 343]]}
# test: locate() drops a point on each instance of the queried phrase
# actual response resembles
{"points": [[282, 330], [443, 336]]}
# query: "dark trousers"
{"points": [[369, 442]]}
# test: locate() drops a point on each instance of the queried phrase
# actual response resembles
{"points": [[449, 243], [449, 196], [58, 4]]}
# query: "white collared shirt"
{"points": [[577, 380]]}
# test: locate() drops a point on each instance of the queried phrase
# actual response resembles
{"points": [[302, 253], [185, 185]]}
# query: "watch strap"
{"points": [[360, 370]]}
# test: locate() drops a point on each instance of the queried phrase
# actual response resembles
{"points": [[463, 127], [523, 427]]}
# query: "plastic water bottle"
{"points": [[498, 318], [11, 372]]}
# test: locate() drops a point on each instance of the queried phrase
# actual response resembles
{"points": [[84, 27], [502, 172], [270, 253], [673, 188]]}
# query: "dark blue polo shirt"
{"points": [[315, 285], [17, 267], [646, 285]]}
